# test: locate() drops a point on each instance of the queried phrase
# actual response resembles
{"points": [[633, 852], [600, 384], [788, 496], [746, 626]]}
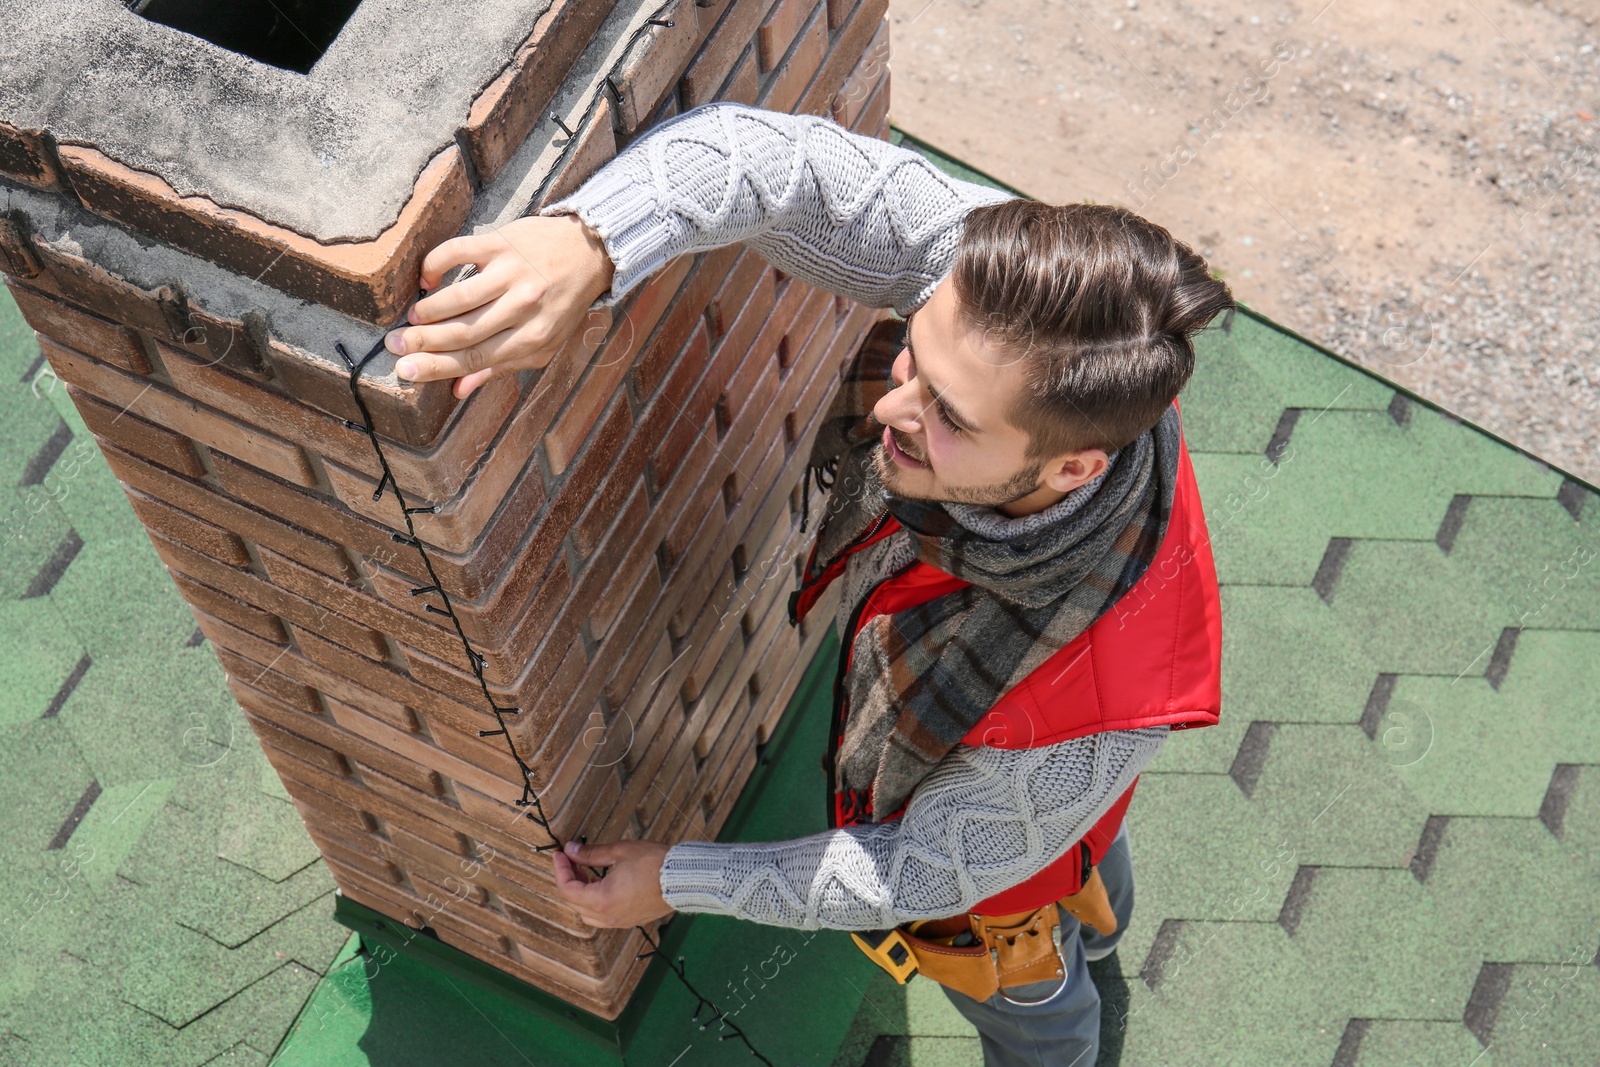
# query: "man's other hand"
{"points": [[536, 279], [630, 892]]}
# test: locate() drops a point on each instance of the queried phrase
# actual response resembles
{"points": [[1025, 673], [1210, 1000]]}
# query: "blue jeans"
{"points": [[1063, 1031]]}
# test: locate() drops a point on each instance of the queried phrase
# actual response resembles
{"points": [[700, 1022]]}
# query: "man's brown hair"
{"points": [[1098, 303]]}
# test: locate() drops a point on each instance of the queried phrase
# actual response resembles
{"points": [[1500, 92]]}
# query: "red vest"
{"points": [[1155, 658]]}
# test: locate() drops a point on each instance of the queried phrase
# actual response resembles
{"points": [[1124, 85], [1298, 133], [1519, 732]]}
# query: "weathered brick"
{"points": [[744, 84], [202, 501], [738, 693], [653, 364], [446, 842], [539, 732], [734, 292], [436, 475], [610, 362], [342, 852], [17, 256], [874, 117], [273, 736], [428, 816], [622, 562], [710, 12], [370, 280], [26, 157], [157, 404], [795, 298], [263, 624], [352, 747], [714, 389], [317, 808], [292, 581], [753, 384], [251, 589], [706, 665], [596, 144], [695, 417], [204, 537], [225, 342], [410, 413], [157, 312], [154, 443], [661, 711], [313, 512], [373, 673], [433, 706], [506, 644], [511, 105], [867, 75], [839, 11], [415, 750], [650, 70], [848, 46], [295, 694], [488, 754], [722, 51], [779, 29], [704, 487], [458, 525], [335, 627], [513, 820], [787, 81], [105, 340]]}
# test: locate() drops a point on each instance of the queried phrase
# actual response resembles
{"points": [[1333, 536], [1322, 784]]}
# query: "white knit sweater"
{"points": [[878, 224]]}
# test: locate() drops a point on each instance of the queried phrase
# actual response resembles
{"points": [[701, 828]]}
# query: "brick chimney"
{"points": [[200, 205]]}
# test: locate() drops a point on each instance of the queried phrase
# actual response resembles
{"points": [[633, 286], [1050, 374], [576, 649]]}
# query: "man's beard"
{"points": [[1016, 487]]}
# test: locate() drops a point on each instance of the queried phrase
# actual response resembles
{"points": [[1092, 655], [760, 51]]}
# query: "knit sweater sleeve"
{"points": [[984, 820], [845, 212]]}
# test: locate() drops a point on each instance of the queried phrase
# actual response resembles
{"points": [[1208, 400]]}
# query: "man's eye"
{"points": [[944, 418]]}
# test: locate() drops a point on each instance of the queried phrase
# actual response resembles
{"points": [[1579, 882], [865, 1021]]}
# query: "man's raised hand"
{"points": [[536, 279], [630, 892]]}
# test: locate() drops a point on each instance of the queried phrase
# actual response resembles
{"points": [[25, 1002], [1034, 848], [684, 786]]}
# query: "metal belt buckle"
{"points": [[1055, 937]]}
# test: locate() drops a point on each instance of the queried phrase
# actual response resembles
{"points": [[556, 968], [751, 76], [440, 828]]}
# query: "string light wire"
{"points": [[530, 798]]}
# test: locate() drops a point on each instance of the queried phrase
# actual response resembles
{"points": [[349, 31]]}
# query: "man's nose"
{"points": [[898, 407]]}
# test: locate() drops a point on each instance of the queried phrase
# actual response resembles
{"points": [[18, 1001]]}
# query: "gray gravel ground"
{"points": [[1414, 186]]}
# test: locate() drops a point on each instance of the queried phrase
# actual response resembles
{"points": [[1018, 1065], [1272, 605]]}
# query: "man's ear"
{"points": [[1069, 470]]}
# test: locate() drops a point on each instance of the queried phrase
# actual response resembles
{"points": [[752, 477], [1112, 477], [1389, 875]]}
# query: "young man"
{"points": [[1028, 601]]}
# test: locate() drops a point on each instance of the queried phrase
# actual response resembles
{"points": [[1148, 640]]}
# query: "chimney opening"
{"points": [[291, 34]]}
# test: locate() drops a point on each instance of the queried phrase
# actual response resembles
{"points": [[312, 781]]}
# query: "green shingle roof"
{"points": [[1386, 853]]}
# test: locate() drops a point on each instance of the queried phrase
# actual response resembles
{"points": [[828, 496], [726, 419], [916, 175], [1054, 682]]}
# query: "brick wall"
{"points": [[617, 534]]}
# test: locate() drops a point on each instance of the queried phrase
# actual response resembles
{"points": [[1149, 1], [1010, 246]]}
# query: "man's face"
{"points": [[946, 432]]}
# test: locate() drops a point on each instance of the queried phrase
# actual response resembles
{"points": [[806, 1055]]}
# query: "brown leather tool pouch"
{"points": [[1007, 951], [1025, 945], [1091, 906]]}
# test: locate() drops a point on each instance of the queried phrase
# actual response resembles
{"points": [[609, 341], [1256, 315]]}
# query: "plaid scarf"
{"points": [[921, 678]]}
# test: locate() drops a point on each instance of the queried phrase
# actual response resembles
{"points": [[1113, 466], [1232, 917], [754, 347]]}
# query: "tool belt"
{"points": [[980, 955]]}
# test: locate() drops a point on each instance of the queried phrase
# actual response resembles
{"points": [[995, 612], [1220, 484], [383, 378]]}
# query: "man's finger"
{"points": [[457, 299], [594, 855], [452, 335], [456, 251], [467, 383], [517, 347], [505, 350], [573, 882]]}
